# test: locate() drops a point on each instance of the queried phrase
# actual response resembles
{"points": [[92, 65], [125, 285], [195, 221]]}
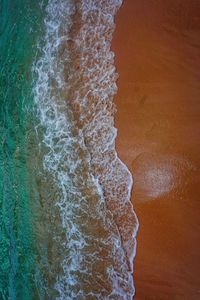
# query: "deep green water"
{"points": [[20, 25]]}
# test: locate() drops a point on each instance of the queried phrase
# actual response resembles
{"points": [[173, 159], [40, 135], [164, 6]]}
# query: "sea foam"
{"points": [[74, 89]]}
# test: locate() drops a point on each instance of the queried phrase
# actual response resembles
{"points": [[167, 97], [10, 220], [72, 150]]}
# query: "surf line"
{"points": [[73, 91]]}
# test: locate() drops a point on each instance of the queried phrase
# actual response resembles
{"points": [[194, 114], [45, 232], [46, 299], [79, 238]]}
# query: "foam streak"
{"points": [[74, 93]]}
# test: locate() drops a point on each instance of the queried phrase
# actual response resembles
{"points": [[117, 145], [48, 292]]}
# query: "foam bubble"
{"points": [[74, 89]]}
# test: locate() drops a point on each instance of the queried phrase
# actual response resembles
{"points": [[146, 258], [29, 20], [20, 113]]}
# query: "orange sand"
{"points": [[157, 47]]}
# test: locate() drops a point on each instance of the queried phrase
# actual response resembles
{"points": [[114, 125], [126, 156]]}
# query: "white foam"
{"points": [[74, 97]]}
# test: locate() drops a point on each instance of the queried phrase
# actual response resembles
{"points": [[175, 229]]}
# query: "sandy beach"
{"points": [[157, 48]]}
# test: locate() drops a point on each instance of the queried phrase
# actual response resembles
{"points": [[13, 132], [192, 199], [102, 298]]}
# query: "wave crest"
{"points": [[74, 90]]}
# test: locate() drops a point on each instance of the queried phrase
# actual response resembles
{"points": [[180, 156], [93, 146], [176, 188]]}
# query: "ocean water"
{"points": [[67, 224]]}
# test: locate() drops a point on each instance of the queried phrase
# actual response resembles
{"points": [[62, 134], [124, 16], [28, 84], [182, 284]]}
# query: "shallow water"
{"points": [[67, 225], [19, 27]]}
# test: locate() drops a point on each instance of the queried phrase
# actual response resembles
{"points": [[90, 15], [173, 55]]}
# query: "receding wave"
{"points": [[74, 89]]}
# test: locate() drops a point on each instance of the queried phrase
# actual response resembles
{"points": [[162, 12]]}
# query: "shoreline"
{"points": [[157, 50]]}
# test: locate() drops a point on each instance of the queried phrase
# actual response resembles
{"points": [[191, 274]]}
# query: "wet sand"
{"points": [[157, 47]]}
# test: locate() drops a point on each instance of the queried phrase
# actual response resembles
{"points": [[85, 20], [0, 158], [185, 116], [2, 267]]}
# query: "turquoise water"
{"points": [[20, 25], [67, 227]]}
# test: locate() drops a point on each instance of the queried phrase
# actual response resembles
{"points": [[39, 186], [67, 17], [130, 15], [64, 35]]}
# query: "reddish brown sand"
{"points": [[157, 46]]}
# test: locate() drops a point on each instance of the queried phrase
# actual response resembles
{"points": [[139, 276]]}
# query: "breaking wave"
{"points": [[73, 91]]}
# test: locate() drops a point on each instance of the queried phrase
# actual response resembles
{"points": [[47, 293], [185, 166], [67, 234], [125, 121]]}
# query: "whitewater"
{"points": [[93, 236]]}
